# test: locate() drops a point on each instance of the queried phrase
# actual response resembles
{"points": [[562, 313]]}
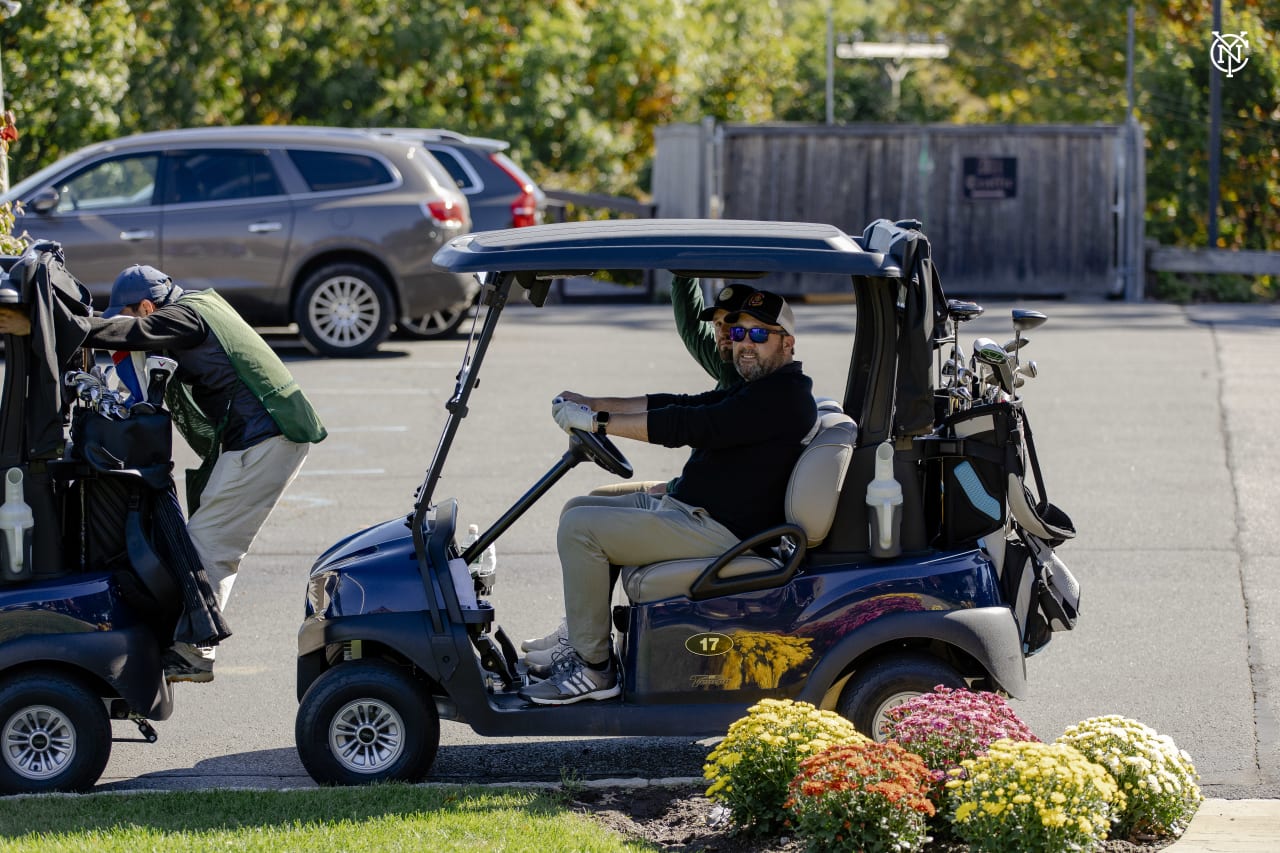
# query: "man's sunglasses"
{"points": [[758, 334]]}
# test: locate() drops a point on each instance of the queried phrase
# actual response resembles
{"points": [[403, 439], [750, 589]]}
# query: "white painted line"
{"points": [[328, 472]]}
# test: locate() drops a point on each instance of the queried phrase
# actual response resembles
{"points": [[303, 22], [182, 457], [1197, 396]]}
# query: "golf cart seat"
{"points": [[812, 494]]}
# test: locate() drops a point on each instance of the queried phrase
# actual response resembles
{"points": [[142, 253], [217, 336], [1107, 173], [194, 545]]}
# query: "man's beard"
{"points": [[757, 367]]}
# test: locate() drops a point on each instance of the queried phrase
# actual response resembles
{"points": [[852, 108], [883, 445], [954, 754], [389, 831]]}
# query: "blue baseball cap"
{"points": [[137, 283]]}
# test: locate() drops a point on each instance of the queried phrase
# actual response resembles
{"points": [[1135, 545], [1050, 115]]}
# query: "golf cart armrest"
{"points": [[710, 585]]}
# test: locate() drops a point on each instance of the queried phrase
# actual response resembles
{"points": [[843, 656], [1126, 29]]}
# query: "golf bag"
{"points": [[98, 481], [979, 466]]}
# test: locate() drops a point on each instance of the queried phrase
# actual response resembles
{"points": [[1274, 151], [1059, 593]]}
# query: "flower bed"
{"points": [[965, 756]]}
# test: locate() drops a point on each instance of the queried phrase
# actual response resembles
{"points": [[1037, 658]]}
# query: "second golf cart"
{"points": [[905, 562]]}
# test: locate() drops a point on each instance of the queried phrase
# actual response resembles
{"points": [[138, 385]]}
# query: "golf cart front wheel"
{"points": [[54, 735], [888, 683], [367, 721]]}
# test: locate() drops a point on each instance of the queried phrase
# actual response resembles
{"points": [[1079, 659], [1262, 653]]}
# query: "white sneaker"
{"points": [[553, 639]]}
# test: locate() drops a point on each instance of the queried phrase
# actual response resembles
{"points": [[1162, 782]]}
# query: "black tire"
{"points": [[344, 310], [367, 721], [54, 735], [434, 326], [889, 682]]}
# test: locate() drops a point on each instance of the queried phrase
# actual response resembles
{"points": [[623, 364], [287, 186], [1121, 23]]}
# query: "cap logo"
{"points": [[755, 300], [725, 295]]}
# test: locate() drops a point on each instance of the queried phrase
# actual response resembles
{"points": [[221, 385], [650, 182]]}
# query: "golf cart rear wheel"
{"points": [[54, 735], [888, 683], [344, 310], [367, 721]]}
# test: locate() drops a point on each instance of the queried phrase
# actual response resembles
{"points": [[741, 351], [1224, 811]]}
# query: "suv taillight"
{"points": [[445, 213], [524, 210]]}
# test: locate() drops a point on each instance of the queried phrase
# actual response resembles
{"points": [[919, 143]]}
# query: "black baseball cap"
{"points": [[730, 298], [137, 283], [768, 308]]}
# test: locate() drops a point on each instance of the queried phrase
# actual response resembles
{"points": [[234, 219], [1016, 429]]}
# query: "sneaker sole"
{"points": [[606, 693], [189, 678]]}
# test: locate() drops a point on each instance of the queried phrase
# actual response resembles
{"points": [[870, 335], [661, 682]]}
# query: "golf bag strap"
{"points": [[146, 564], [1033, 459]]}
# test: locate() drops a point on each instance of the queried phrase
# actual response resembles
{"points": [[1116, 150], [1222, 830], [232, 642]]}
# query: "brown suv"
{"points": [[330, 228]]}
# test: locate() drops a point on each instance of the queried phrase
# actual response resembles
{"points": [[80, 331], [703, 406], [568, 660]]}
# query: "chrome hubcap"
{"points": [[366, 736], [38, 742], [344, 311], [880, 725]]}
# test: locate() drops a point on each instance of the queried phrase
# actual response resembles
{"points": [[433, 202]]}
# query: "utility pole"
{"points": [[831, 66], [897, 52], [1215, 132]]}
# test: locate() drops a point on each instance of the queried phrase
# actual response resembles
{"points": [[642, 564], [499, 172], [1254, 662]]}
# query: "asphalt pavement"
{"points": [[1153, 424]]}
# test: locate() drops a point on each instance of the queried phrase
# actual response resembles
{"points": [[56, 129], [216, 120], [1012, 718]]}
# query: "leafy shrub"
{"points": [[750, 769], [1032, 797], [1157, 778], [862, 797], [947, 726]]}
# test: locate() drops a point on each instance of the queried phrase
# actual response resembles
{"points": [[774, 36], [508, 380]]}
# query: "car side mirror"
{"points": [[45, 200]]}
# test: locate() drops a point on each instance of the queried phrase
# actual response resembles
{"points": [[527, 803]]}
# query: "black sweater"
{"points": [[745, 440]]}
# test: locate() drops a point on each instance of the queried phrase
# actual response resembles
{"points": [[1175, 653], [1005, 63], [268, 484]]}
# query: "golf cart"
{"points": [[90, 533], [901, 566]]}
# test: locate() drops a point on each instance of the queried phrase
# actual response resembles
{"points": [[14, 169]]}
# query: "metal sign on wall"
{"points": [[990, 177]]}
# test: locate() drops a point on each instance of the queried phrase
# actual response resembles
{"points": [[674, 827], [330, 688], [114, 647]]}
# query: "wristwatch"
{"points": [[602, 423]]}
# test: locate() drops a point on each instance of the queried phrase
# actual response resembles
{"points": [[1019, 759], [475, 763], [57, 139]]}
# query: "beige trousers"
{"points": [[599, 533], [244, 487]]}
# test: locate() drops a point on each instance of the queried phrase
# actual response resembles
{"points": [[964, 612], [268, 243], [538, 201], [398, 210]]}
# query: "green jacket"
{"points": [[698, 335], [257, 366]]}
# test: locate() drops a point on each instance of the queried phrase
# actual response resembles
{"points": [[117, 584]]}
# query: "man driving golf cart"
{"points": [[745, 440]]}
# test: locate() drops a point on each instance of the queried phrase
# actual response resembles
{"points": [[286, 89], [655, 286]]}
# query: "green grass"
{"points": [[378, 818]]}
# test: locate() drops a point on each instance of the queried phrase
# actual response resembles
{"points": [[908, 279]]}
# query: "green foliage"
{"points": [[578, 86], [9, 244], [1157, 779], [750, 769], [1185, 288], [1032, 797], [862, 798], [66, 66]]}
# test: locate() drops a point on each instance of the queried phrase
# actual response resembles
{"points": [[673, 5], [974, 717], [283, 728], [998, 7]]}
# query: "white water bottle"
{"points": [[484, 567], [16, 523], [884, 506]]}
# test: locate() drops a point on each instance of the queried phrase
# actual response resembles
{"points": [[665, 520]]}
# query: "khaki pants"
{"points": [[598, 533], [244, 487], [626, 488]]}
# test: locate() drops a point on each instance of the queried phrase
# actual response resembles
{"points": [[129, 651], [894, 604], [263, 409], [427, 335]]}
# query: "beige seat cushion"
{"points": [[812, 495], [673, 578]]}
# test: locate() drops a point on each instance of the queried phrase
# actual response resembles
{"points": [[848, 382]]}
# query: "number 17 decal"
{"points": [[709, 644]]}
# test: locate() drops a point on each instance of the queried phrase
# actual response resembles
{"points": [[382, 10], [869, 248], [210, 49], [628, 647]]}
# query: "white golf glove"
{"points": [[570, 415]]}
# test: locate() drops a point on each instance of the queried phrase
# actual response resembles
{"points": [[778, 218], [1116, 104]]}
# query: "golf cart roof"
{"points": [[706, 247]]}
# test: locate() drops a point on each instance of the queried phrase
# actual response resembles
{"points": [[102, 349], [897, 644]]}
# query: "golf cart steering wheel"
{"points": [[600, 450]]}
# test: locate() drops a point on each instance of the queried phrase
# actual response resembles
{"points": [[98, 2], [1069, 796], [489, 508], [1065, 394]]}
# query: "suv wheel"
{"points": [[438, 324], [344, 310]]}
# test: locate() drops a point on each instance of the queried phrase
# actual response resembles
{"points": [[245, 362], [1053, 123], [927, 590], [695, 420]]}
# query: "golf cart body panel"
{"points": [[830, 618], [82, 623]]}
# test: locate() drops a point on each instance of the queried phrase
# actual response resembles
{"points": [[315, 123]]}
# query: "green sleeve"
{"points": [[698, 336]]}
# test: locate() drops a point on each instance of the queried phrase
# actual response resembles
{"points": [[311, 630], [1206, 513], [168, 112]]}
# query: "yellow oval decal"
{"points": [[709, 644]]}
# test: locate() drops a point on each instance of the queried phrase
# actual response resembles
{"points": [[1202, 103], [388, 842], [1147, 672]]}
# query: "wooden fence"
{"points": [[1009, 210]]}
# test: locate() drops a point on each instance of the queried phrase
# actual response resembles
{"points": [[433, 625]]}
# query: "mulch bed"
{"points": [[679, 818]]}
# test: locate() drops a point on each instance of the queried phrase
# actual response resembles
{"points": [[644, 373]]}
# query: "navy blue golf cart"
{"points": [[90, 535], [902, 565]]}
